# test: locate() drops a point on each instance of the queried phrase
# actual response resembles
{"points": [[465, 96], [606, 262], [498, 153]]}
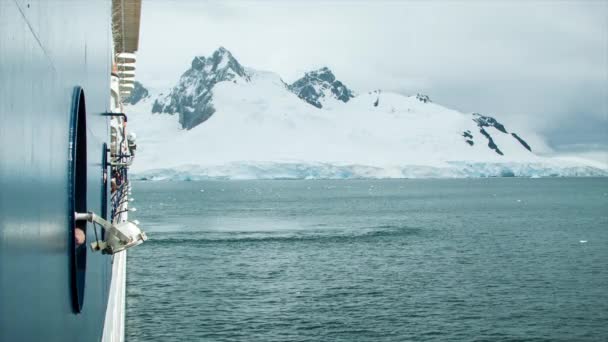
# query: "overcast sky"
{"points": [[543, 64]]}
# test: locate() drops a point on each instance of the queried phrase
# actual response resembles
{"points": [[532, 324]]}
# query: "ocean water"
{"points": [[384, 260]]}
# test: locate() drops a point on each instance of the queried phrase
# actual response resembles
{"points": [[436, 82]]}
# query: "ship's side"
{"points": [[51, 51]]}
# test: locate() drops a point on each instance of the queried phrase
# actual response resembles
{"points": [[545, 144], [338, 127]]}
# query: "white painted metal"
{"points": [[114, 326]]}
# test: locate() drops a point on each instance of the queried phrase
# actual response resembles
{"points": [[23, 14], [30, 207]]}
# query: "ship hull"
{"points": [[47, 48]]}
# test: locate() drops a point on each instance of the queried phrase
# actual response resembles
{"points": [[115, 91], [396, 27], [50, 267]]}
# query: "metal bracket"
{"points": [[116, 114], [119, 237], [91, 217]]}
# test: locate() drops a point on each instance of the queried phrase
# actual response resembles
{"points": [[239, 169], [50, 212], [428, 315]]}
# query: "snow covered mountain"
{"points": [[138, 93], [319, 86], [224, 120], [191, 97]]}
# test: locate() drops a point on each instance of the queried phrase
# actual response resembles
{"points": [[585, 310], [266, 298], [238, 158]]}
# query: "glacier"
{"points": [[315, 171]]}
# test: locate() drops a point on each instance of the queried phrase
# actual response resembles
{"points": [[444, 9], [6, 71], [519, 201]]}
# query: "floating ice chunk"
{"points": [[583, 241]]}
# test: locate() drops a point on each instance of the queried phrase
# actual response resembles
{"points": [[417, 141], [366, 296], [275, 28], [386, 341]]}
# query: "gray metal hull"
{"points": [[46, 49]]}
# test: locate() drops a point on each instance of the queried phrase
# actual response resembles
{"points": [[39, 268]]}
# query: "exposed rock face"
{"points": [[468, 137], [488, 121], [192, 97], [319, 84], [139, 93], [522, 141], [491, 143], [423, 98], [484, 122]]}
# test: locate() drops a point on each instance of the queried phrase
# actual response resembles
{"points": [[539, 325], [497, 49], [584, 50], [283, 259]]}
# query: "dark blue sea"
{"points": [[503, 259]]}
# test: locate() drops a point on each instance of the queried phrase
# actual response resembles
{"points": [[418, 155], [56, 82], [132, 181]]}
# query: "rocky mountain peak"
{"points": [[221, 63], [323, 74], [192, 97], [319, 84], [138, 93]]}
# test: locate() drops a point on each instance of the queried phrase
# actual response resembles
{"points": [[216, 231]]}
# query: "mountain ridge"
{"points": [[229, 113], [191, 98]]}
